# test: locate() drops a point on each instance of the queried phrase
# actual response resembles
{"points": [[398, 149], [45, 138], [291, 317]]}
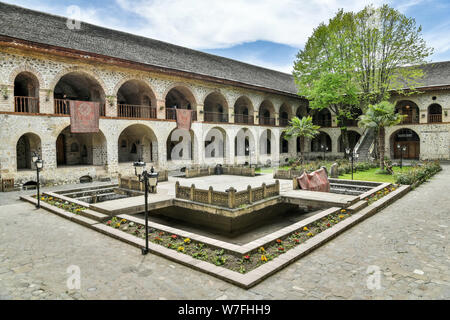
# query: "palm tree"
{"points": [[378, 117], [303, 128]]}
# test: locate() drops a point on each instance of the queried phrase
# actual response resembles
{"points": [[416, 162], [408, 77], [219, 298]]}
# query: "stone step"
{"points": [[94, 215], [358, 206]]}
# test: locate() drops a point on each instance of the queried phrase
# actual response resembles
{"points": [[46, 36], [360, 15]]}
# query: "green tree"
{"points": [[303, 128], [324, 70], [379, 116]]}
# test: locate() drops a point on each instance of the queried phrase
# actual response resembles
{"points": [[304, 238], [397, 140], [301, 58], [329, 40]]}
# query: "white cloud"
{"points": [[206, 24]]}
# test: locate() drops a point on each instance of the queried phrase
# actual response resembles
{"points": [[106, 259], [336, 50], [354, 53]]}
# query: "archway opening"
{"points": [[243, 111], [322, 118], [434, 113], [26, 146], [244, 143], [180, 145], [215, 108], [267, 113], [80, 148], [80, 87], [409, 109], [135, 99], [321, 143], [405, 139], [138, 142], [180, 98], [284, 144], [26, 93], [353, 138], [215, 143], [285, 115]]}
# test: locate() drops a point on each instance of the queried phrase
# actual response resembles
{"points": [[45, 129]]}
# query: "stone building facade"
{"points": [[137, 96]]}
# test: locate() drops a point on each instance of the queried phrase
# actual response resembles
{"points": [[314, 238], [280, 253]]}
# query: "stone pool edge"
{"points": [[253, 277]]}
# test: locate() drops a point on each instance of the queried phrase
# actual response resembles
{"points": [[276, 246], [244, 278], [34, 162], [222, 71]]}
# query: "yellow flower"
{"points": [[42, 198], [309, 234], [261, 249], [343, 211], [305, 229], [181, 249], [117, 224], [187, 240], [341, 216], [393, 189], [263, 258], [123, 221]]}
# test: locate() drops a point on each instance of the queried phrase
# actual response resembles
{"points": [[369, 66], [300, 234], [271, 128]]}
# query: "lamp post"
{"points": [[352, 155], [39, 163], [143, 176], [402, 149]]}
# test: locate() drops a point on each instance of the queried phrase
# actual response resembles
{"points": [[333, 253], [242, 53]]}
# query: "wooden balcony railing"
{"points": [[26, 104], [62, 106], [171, 114], [323, 123], [136, 111], [410, 120], [215, 117], [284, 122], [267, 121], [243, 118], [434, 118]]}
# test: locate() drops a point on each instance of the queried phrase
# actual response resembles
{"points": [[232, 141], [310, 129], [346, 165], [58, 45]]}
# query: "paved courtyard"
{"points": [[407, 242]]}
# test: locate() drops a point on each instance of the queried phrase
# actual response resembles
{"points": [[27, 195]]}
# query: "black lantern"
{"points": [[39, 163], [401, 149]]}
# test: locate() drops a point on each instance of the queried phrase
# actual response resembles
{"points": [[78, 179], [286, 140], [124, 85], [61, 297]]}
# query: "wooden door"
{"points": [[60, 150]]}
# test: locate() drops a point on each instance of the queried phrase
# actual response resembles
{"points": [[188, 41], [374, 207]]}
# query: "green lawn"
{"points": [[371, 175], [264, 170]]}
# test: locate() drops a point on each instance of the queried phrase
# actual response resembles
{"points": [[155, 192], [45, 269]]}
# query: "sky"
{"points": [[267, 33]]}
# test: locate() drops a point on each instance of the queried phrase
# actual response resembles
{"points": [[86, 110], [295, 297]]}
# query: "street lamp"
{"points": [[39, 163], [402, 149], [143, 176], [352, 154]]}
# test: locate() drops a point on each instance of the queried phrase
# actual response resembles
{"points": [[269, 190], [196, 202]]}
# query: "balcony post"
{"points": [[200, 112]]}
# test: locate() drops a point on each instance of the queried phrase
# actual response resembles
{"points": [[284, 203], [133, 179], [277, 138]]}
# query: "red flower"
{"points": [[247, 257], [174, 236], [279, 241], [280, 249], [109, 222], [297, 240], [328, 225]]}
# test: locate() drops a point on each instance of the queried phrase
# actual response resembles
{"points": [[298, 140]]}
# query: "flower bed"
{"points": [[219, 256], [419, 173], [65, 205], [380, 194]]}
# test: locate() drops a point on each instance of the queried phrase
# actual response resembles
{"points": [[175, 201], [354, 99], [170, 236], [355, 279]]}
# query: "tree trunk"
{"points": [[344, 139], [381, 135], [301, 149]]}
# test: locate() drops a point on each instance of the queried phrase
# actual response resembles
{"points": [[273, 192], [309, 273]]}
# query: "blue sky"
{"points": [[267, 33]]}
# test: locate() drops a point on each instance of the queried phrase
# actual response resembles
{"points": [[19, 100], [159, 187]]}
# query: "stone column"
{"points": [[256, 117], [333, 120], [423, 116], [46, 104], [277, 118], [7, 92], [200, 114], [231, 115], [111, 108], [160, 109]]}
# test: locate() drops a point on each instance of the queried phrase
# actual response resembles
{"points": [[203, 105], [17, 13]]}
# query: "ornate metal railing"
{"points": [[267, 121], [243, 118], [215, 117]]}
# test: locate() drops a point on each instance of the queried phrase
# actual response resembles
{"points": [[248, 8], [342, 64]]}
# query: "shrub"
{"points": [[419, 173]]}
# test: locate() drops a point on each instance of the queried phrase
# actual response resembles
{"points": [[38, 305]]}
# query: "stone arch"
{"points": [[27, 144], [267, 141], [137, 142], [77, 69], [407, 138], [92, 148], [266, 113], [179, 96], [26, 92], [434, 113], [215, 107], [284, 144], [409, 109], [321, 143], [285, 114], [247, 147], [25, 68], [136, 99], [322, 117], [186, 89], [353, 138], [243, 110], [223, 148], [177, 136]]}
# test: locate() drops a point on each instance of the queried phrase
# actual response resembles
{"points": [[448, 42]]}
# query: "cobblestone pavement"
{"points": [[407, 241]]}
